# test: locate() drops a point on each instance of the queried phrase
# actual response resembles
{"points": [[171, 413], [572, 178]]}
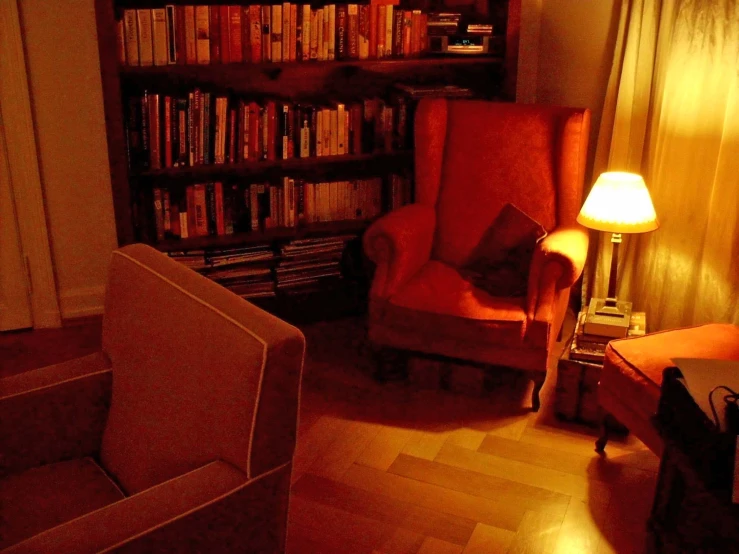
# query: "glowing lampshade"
{"points": [[619, 202]]}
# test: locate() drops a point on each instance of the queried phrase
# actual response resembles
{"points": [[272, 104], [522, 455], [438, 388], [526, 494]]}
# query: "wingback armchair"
{"points": [[178, 436], [472, 158]]}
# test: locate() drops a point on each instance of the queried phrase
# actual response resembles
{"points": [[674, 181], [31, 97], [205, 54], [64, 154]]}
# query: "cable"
{"points": [[713, 408]]}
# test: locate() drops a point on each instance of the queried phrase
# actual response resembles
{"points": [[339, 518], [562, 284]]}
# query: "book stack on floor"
{"points": [[246, 271], [307, 264], [588, 347]]}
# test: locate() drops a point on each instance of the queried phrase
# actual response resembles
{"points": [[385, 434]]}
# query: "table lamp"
{"points": [[619, 202]]}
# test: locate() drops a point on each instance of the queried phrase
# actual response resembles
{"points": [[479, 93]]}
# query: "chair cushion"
{"points": [[439, 301], [500, 264], [47, 496], [633, 367]]}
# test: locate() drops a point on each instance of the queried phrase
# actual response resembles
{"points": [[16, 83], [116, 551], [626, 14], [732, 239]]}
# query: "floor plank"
{"points": [[486, 539], [435, 546]]}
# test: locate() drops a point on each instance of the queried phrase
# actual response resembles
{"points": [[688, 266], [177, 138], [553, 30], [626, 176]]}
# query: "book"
{"points": [[131, 36], [146, 44], [588, 347], [202, 34], [610, 326], [276, 31], [160, 41]]}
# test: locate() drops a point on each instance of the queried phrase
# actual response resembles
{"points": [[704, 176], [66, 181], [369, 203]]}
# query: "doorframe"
{"points": [[25, 176]]}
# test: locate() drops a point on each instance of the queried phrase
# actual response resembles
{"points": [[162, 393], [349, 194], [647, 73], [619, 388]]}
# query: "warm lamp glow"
{"points": [[619, 202]]}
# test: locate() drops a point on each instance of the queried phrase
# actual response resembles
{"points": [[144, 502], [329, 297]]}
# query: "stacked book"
{"points": [[246, 271], [307, 264], [443, 23], [591, 348]]}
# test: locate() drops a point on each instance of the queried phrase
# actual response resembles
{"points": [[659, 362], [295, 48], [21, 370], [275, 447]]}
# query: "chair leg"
{"points": [[605, 431], [391, 365], [538, 384]]}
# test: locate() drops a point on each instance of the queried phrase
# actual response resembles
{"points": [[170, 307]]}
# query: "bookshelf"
{"points": [[302, 82]]}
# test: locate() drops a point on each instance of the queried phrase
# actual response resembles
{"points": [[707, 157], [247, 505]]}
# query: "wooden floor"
{"points": [[409, 468]]}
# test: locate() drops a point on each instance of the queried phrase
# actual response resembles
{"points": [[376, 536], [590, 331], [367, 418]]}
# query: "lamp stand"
{"points": [[611, 306]]}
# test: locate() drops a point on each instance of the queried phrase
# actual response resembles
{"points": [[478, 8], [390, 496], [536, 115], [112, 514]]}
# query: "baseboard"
{"points": [[82, 302]]}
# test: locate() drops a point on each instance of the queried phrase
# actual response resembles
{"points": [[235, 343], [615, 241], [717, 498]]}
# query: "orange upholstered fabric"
{"points": [[630, 382], [199, 436], [472, 158], [47, 496], [158, 390]]}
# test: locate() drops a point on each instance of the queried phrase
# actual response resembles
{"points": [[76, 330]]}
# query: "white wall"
{"points": [[60, 39], [575, 49]]}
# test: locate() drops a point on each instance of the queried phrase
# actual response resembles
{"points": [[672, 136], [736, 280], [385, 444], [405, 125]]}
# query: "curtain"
{"points": [[671, 113]]}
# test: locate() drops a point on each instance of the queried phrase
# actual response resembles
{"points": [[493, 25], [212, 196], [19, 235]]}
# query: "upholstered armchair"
{"points": [[476, 162], [178, 436]]}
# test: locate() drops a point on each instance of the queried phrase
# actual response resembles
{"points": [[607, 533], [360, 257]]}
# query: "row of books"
{"points": [[589, 347], [212, 209], [269, 33], [257, 271], [165, 131]]}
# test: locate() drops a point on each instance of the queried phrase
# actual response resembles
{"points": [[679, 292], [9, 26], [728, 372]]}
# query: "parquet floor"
{"points": [[406, 468]]}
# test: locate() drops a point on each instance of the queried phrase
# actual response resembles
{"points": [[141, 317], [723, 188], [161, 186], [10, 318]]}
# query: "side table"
{"points": [[576, 396]]}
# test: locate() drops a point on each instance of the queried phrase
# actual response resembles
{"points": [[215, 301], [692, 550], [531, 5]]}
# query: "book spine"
{"points": [[201, 210], [202, 34], [158, 214], [353, 31], [334, 132], [341, 32], [210, 203], [304, 133], [159, 36], [315, 31], [190, 211], [214, 24], [364, 32], [266, 33], [168, 131], [254, 146], [271, 131], [286, 32], [120, 42], [293, 32], [284, 131], [232, 134], [255, 34], [254, 206], [181, 123], [146, 44], [131, 34], [224, 18], [340, 129], [167, 212], [320, 56], [313, 131], [381, 21], [191, 43], [277, 33], [236, 34], [331, 32], [155, 157], [207, 128], [319, 133], [373, 17], [416, 33], [220, 219], [424, 33], [180, 38], [398, 22], [389, 31], [407, 24], [174, 220], [356, 128]]}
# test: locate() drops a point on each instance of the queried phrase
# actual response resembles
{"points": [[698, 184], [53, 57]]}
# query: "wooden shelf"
{"points": [[355, 163], [272, 70], [230, 241]]}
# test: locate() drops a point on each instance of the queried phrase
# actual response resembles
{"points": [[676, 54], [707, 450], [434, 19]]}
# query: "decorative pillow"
{"points": [[500, 263]]}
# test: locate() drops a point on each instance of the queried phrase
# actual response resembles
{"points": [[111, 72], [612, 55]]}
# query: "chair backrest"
{"points": [[474, 156], [199, 374]]}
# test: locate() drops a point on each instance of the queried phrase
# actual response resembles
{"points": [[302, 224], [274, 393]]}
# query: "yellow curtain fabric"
{"points": [[671, 114]]}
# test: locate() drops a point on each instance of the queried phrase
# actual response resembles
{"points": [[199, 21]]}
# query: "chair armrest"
{"points": [[400, 244], [54, 413], [211, 509], [557, 263]]}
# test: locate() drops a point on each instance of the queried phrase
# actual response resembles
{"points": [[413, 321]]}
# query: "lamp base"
{"points": [[608, 317]]}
